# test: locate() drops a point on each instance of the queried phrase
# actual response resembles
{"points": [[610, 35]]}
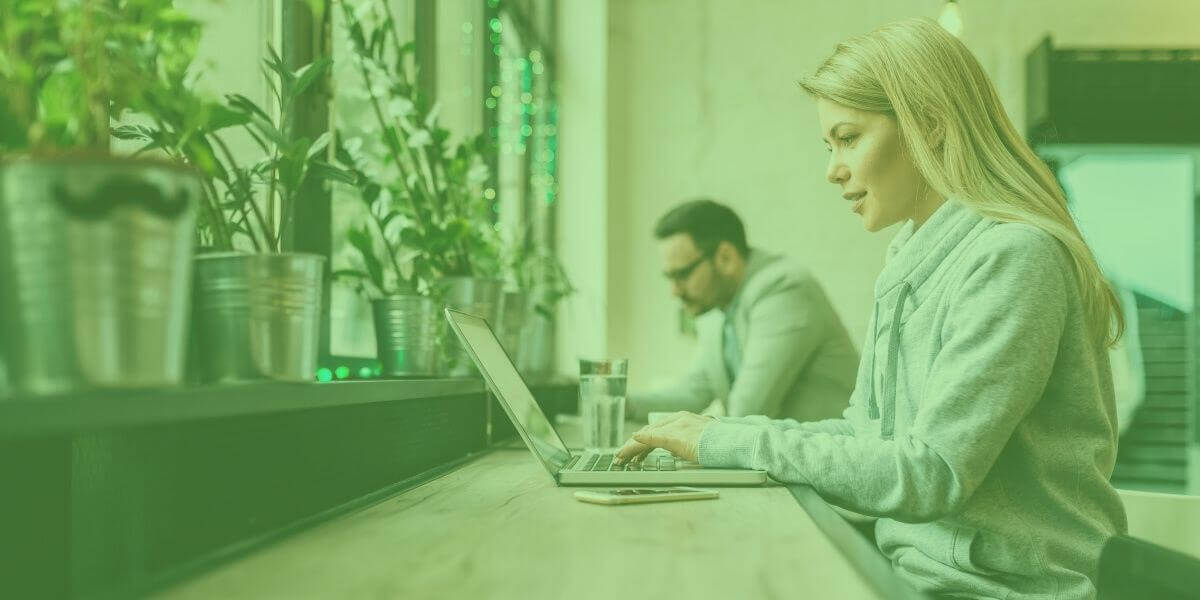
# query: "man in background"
{"points": [[773, 345]]}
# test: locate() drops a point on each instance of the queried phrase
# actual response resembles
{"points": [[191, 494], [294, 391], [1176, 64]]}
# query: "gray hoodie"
{"points": [[981, 432]]}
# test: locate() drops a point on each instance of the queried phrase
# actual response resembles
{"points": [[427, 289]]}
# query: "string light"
{"points": [[951, 18], [532, 119]]}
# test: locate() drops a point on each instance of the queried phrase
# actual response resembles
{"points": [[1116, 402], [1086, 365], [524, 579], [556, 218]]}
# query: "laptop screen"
{"points": [[510, 389]]}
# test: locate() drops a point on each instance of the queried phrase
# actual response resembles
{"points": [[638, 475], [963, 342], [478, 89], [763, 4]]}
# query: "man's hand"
{"points": [[679, 434]]}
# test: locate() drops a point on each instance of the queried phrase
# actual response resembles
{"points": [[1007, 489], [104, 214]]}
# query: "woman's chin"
{"points": [[869, 223]]}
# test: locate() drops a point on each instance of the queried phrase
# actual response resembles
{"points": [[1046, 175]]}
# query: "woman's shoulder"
{"points": [[1017, 243], [1012, 254]]}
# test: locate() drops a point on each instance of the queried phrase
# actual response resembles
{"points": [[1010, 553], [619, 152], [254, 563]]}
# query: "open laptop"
{"points": [[566, 467]]}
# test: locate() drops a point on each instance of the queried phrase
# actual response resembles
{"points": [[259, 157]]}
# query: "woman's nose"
{"points": [[836, 172]]}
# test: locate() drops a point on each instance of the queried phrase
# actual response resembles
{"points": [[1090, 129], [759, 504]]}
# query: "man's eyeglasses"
{"points": [[681, 274]]}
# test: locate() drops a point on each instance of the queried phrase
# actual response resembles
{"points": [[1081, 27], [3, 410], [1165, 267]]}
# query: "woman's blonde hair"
{"points": [[960, 139]]}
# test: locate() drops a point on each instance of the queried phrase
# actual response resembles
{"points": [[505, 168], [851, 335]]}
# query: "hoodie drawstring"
{"points": [[872, 406], [888, 424]]}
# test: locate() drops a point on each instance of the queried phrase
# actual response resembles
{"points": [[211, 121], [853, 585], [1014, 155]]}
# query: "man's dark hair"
{"points": [[707, 222]]}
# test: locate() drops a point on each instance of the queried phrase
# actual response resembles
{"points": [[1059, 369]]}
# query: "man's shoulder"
{"points": [[777, 273]]}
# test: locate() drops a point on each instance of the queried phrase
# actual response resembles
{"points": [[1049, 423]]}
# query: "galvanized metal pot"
{"points": [[95, 271], [406, 335], [537, 346], [257, 316], [513, 310], [472, 295]]}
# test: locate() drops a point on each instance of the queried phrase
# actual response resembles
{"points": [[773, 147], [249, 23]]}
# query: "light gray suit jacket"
{"points": [[797, 359]]}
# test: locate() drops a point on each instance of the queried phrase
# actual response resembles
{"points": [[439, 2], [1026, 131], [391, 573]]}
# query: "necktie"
{"points": [[729, 349]]}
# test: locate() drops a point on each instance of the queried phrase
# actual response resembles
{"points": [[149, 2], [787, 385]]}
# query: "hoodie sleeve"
{"points": [[830, 426], [999, 342]]}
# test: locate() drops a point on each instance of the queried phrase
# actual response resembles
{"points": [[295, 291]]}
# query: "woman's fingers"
{"points": [[660, 438], [658, 435], [632, 450]]}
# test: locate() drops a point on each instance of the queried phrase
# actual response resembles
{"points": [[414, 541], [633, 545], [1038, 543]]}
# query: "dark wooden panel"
{"points": [[1167, 369], [1144, 453], [1152, 453], [1174, 435], [1165, 400], [154, 500], [1166, 384], [1149, 471], [34, 490]]}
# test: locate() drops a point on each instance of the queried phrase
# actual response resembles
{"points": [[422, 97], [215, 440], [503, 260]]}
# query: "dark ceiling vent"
{"points": [[1113, 96]]}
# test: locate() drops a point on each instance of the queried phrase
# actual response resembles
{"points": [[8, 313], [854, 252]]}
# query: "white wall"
{"points": [[702, 99], [582, 219]]}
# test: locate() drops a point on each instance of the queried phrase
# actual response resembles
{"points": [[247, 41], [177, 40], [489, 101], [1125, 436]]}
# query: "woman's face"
{"points": [[876, 178]]}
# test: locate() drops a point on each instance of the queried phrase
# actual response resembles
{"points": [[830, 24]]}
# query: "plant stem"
{"points": [[246, 195], [392, 140], [213, 203], [391, 251]]}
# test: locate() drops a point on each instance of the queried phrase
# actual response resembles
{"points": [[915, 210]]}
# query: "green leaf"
{"points": [[412, 238], [132, 132], [275, 64], [327, 172], [355, 29], [62, 105], [306, 75], [318, 146], [219, 116], [371, 192], [360, 239], [200, 154], [376, 47], [350, 274], [268, 130], [388, 218], [246, 105]]}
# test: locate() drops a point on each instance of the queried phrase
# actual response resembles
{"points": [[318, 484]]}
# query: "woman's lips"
{"points": [[858, 203]]}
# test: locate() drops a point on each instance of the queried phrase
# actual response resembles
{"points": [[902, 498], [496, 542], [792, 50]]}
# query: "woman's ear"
{"points": [[937, 136]]}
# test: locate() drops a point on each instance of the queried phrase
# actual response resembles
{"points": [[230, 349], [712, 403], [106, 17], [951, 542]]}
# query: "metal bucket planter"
{"points": [[257, 316], [406, 335], [479, 297], [537, 346], [513, 309], [95, 272]]}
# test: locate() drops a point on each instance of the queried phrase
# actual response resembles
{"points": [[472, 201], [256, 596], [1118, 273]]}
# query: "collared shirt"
{"points": [[730, 350]]}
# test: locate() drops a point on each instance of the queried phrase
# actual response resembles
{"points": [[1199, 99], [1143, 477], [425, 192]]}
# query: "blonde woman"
{"points": [[981, 433]]}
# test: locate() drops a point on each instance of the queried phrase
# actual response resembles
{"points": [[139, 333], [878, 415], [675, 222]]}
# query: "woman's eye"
{"points": [[847, 139]]}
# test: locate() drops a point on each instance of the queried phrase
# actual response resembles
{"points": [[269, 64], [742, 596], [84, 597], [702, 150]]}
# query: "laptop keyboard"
{"points": [[603, 462]]}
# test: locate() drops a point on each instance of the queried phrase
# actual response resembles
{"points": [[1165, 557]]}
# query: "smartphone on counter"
{"points": [[638, 495]]}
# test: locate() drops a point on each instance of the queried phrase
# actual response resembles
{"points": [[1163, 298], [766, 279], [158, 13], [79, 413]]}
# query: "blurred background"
{"points": [[568, 128], [599, 116]]}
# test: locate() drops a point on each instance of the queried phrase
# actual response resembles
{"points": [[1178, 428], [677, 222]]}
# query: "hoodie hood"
{"points": [[913, 257]]}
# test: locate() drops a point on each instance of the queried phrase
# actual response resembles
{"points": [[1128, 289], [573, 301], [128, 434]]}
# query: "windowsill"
{"points": [[71, 413]]}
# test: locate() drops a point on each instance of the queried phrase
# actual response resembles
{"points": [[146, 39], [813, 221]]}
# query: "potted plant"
{"points": [[539, 282], [258, 305], [406, 319], [438, 215], [95, 251]]}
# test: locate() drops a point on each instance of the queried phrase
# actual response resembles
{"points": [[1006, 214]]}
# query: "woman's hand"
{"points": [[679, 434]]}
